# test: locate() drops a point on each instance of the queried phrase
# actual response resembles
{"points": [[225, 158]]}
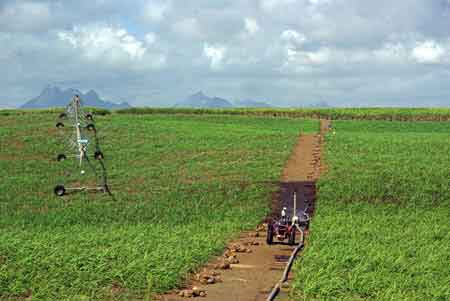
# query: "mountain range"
{"points": [[53, 96], [200, 100]]}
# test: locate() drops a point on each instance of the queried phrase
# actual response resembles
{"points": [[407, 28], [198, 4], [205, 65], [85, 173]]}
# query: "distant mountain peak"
{"points": [[200, 100], [199, 94], [49, 89], [91, 92], [53, 96]]}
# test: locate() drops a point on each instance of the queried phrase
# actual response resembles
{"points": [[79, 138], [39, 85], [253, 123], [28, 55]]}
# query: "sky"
{"points": [[285, 52]]}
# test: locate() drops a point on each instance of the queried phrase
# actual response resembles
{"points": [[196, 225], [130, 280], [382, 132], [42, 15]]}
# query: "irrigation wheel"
{"points": [[60, 190], [61, 157], [90, 127], [99, 155]]}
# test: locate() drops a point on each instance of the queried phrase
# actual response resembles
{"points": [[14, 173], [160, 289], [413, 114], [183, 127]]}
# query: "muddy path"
{"points": [[255, 266]]}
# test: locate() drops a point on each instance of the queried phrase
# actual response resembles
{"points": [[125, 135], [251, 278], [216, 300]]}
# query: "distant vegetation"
{"points": [[17, 112], [391, 114], [400, 114]]}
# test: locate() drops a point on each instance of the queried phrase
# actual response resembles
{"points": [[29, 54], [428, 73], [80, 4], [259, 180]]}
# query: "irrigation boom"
{"points": [[79, 138]]}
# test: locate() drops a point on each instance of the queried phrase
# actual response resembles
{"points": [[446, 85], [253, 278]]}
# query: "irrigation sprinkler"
{"points": [[80, 141]]}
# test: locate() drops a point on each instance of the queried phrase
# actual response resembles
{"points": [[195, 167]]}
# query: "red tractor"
{"points": [[285, 228]]}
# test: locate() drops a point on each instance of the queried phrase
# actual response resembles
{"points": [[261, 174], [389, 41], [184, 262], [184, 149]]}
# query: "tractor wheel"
{"points": [[99, 155], [292, 236], [90, 127], [62, 115], [89, 116], [61, 157], [269, 238], [60, 190], [60, 125]]}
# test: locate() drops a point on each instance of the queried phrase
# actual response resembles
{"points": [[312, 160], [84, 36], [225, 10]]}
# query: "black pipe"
{"points": [[277, 287]]}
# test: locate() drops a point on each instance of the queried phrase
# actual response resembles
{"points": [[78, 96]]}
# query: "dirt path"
{"points": [[254, 276], [305, 162]]}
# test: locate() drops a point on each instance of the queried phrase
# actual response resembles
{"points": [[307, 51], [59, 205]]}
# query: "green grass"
{"points": [[184, 185], [382, 225]]}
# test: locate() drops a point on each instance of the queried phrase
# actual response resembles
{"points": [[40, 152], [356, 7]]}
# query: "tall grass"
{"points": [[184, 186], [382, 228]]}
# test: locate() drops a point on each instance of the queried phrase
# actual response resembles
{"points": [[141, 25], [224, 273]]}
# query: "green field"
{"points": [[382, 225], [184, 186], [187, 182]]}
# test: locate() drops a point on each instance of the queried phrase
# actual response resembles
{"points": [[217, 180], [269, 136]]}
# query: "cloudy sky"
{"points": [[286, 52]]}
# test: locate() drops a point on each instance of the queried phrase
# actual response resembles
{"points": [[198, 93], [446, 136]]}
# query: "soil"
{"points": [[254, 276], [305, 161]]}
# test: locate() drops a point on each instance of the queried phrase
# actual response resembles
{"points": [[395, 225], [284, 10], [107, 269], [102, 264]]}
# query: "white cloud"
{"points": [[251, 26], [300, 58], [391, 53], [292, 38], [188, 27], [150, 38], [114, 46], [25, 16], [155, 11], [99, 41], [321, 56], [269, 5], [215, 54], [296, 57], [428, 52], [319, 2]]}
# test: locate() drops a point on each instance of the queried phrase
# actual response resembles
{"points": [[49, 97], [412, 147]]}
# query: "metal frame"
{"points": [[77, 142]]}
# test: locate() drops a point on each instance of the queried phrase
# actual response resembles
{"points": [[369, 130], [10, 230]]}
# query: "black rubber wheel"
{"points": [[61, 157], [90, 127], [62, 115], [269, 238], [60, 125], [292, 237], [89, 116], [99, 155], [60, 190]]}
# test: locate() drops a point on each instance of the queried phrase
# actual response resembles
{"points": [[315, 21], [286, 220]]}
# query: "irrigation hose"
{"points": [[284, 277]]}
